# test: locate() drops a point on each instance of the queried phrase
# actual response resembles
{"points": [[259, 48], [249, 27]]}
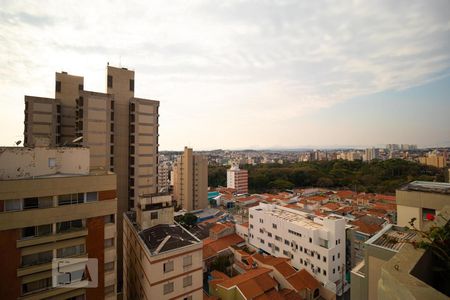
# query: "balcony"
{"points": [[52, 238]]}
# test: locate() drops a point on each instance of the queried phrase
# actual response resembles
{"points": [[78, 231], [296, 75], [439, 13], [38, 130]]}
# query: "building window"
{"points": [[301, 248], [262, 241], [80, 87], [110, 81], [34, 231], [274, 226], [70, 199], [251, 226], [319, 270], [277, 249], [168, 266], [261, 230], [51, 162], [187, 298], [132, 85], [168, 288], [109, 219], [30, 203], [428, 214], [310, 240], [301, 260], [58, 86], [13, 205], [251, 216], [278, 238], [187, 261], [70, 251], [91, 196], [318, 256], [187, 281], [154, 215], [333, 258], [69, 226], [269, 234], [339, 255], [261, 221], [286, 242], [109, 242], [324, 259], [37, 258], [109, 266], [339, 268], [37, 285], [325, 272], [334, 271]]}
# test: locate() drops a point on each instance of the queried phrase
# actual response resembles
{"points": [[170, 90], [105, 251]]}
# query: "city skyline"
{"points": [[245, 76]]}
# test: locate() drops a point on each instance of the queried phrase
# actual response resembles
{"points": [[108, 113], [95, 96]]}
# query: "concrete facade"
{"points": [[312, 243], [237, 179], [162, 260], [55, 208], [419, 198], [191, 181]]}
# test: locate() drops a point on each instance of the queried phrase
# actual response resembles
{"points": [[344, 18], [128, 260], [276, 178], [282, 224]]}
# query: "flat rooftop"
{"points": [[290, 215], [392, 237], [427, 186]]}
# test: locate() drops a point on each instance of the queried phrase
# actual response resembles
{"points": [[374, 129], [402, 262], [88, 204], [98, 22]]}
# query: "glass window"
{"points": [[70, 251], [168, 266], [12, 205], [51, 162], [187, 261], [37, 258], [30, 203], [154, 215], [37, 285], [109, 266], [168, 288], [109, 219], [69, 226], [91, 196], [109, 242], [187, 281]]}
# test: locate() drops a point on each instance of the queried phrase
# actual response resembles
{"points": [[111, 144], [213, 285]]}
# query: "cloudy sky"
{"points": [[244, 74]]}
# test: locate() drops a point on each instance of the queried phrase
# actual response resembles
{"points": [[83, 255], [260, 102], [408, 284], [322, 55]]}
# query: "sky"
{"points": [[244, 74]]}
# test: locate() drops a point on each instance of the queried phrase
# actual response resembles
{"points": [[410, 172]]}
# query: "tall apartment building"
{"points": [[190, 188], [433, 159], [164, 169], [370, 154], [237, 179], [120, 130], [313, 243], [53, 206], [419, 199], [162, 260]]}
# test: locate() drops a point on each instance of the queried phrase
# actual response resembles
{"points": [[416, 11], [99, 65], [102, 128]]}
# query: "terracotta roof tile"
{"points": [[212, 247], [302, 279], [244, 277]]}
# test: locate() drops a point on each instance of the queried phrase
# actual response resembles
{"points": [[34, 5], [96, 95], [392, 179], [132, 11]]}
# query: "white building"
{"points": [[164, 169], [237, 179], [314, 243]]}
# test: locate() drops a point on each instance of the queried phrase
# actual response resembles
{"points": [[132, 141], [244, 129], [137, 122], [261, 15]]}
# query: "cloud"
{"points": [[228, 60]]}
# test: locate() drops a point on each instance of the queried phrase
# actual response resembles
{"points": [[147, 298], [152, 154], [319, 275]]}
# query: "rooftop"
{"points": [[392, 237], [290, 215], [166, 237], [427, 186]]}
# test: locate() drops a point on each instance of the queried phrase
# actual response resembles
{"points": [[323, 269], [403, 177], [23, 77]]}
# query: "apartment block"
{"points": [[53, 206], [162, 260], [313, 243], [191, 181], [42, 122], [433, 159], [95, 127], [164, 169], [67, 90], [237, 179], [120, 130], [421, 200]]}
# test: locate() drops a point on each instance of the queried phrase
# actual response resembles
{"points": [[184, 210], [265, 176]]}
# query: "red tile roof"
{"points": [[212, 247], [244, 277], [303, 280], [345, 194], [330, 206], [279, 263]]}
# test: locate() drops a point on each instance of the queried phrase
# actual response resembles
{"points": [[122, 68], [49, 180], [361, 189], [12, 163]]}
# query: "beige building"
{"points": [[67, 90], [42, 122], [190, 187], [162, 260], [120, 130], [164, 169], [433, 159], [378, 250], [53, 206], [237, 179], [420, 200]]}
